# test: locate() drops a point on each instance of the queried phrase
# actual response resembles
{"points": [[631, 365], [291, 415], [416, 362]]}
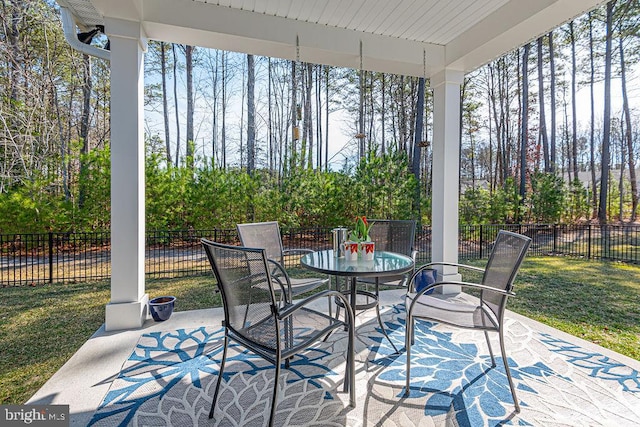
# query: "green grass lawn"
{"points": [[41, 327]]}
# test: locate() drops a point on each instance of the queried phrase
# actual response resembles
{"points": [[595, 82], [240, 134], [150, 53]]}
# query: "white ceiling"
{"points": [[396, 35]]}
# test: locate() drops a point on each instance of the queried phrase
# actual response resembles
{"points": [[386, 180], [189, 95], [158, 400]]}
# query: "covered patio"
{"points": [[164, 374], [140, 372], [436, 39]]}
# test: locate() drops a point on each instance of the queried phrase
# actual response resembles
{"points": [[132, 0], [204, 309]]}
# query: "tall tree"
{"points": [[165, 108], [606, 132], [552, 92], [627, 136], [525, 122], [175, 101], [592, 138], [541, 98], [417, 139], [87, 88], [574, 115], [223, 128], [326, 118], [251, 115], [188, 56], [306, 158]]}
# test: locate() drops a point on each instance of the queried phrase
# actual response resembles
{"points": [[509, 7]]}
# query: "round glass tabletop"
{"points": [[383, 264]]}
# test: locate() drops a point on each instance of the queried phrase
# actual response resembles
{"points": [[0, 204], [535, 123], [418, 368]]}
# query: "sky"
{"points": [[342, 143]]}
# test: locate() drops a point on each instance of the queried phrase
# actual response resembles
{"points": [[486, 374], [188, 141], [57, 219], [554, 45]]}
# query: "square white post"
{"points": [[445, 172], [128, 306]]}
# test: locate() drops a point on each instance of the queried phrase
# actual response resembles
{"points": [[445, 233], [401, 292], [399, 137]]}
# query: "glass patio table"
{"points": [[383, 264]]}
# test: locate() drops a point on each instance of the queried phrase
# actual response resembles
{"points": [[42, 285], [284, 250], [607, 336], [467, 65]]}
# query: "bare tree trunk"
{"points": [[308, 123], [214, 112], [13, 35], [628, 134], [241, 124], [499, 123], [326, 118], [361, 115], [63, 146], [318, 104], [251, 115], [295, 132], [525, 122], [165, 108], [543, 122], [490, 166], [606, 134], [190, 152], [417, 137], [552, 91], [566, 143], [574, 115], [87, 86], [223, 129], [383, 147], [419, 111], [270, 117], [592, 141], [621, 178], [175, 100]]}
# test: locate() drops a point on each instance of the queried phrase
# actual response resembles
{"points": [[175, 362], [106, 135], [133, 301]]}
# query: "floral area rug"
{"points": [[169, 380]]}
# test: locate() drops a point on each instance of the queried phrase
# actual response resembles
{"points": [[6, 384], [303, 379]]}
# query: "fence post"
{"points": [[589, 247], [555, 238], [50, 257], [481, 242]]}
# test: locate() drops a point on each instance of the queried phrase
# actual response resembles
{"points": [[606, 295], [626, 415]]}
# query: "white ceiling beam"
{"points": [[207, 25], [511, 26]]}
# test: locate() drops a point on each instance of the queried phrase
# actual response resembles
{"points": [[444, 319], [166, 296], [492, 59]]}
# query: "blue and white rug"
{"points": [[169, 380]]}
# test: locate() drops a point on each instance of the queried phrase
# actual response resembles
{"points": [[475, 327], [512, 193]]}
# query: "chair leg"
{"points": [[338, 288], [329, 299], [384, 331], [351, 358], [407, 344], [219, 380], [274, 398], [506, 368], [493, 361]]}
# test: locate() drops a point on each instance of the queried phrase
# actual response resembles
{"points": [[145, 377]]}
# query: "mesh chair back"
{"points": [[265, 235], [508, 252], [247, 297], [393, 235]]}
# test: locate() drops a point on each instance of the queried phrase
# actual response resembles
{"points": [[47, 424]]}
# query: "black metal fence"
{"points": [[76, 257]]}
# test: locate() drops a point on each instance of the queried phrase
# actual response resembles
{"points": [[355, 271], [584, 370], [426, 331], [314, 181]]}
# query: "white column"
{"points": [[128, 306], [445, 172]]}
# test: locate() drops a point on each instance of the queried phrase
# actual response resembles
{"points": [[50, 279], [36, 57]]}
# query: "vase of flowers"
{"points": [[360, 236]]}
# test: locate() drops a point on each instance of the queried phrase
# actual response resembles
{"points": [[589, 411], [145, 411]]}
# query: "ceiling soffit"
{"points": [[393, 36]]}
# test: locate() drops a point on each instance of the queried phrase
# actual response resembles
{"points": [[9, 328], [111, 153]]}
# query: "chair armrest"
{"points": [[455, 264], [297, 251], [414, 255], [411, 282], [463, 284], [276, 276], [289, 309]]}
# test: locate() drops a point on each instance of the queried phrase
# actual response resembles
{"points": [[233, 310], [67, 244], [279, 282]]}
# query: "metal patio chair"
{"points": [[485, 314], [266, 235], [254, 318], [392, 236]]}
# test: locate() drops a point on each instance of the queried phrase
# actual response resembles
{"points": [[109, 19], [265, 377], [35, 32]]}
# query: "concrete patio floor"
{"points": [[84, 380]]}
